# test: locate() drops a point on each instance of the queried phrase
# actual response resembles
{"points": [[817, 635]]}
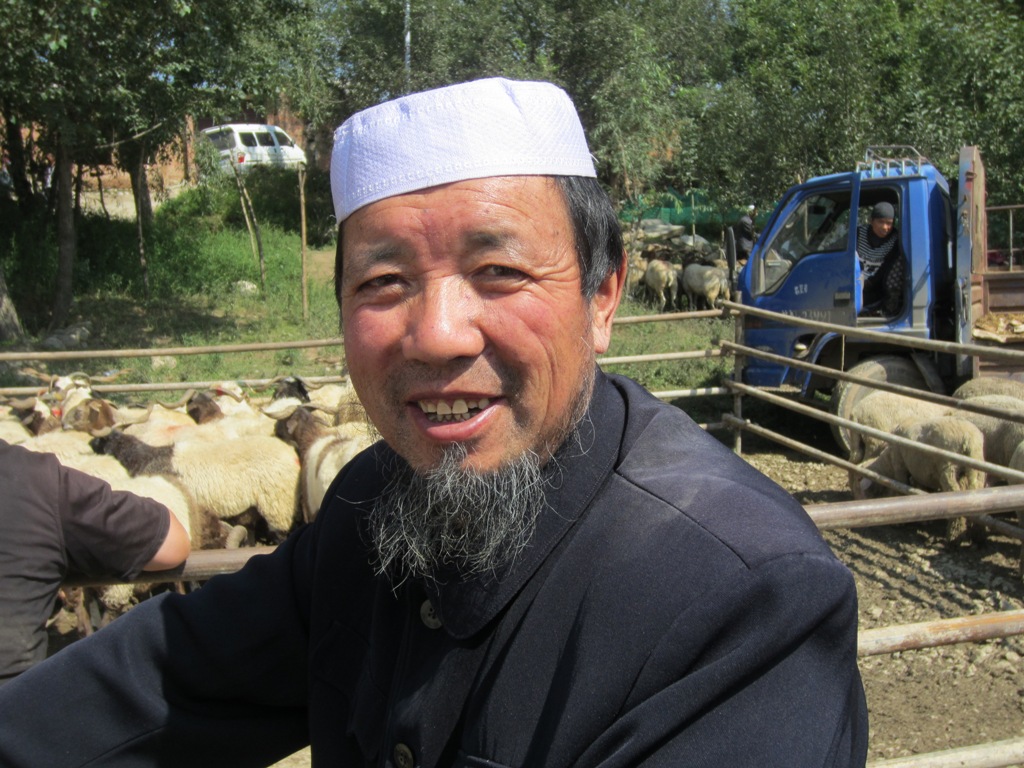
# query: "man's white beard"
{"points": [[453, 520]]}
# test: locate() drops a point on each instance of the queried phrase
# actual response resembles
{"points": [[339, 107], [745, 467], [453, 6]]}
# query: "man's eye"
{"points": [[500, 271], [379, 282]]}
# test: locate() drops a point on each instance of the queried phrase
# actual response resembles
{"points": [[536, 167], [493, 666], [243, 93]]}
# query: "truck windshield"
{"points": [[818, 224]]}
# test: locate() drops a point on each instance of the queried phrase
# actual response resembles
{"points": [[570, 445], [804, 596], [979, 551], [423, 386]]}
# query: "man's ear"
{"points": [[604, 304]]}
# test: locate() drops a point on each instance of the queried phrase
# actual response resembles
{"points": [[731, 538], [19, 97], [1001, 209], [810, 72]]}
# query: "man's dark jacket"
{"points": [[675, 608]]}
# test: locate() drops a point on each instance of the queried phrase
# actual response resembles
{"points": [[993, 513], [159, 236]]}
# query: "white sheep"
{"points": [[904, 463], [636, 269], [12, 431], [61, 444], [662, 281], [705, 285], [884, 411], [1002, 436], [227, 477], [323, 451], [990, 385]]}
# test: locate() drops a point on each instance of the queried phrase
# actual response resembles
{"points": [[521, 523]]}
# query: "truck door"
{"points": [[806, 264]]}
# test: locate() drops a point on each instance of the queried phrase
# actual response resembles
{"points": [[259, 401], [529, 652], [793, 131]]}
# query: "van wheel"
{"points": [[893, 369]]}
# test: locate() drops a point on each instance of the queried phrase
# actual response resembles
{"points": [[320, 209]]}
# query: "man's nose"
{"points": [[443, 324]]}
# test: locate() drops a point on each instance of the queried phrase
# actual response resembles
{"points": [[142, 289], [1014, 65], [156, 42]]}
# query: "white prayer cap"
{"points": [[492, 127]]}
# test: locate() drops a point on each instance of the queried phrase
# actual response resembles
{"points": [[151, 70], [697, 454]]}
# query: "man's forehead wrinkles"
{"points": [[371, 254]]}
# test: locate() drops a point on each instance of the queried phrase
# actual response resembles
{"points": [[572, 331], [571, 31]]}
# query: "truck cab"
{"points": [[805, 264]]}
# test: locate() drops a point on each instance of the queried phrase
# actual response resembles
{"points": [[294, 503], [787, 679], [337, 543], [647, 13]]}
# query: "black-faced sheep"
{"points": [[35, 415], [228, 477], [339, 400], [323, 451]]}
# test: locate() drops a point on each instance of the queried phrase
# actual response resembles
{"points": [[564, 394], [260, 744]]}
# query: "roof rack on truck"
{"points": [[892, 160]]}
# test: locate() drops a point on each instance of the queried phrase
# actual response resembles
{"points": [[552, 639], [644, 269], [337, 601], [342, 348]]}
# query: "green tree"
{"points": [[812, 83], [95, 76], [636, 70], [968, 87]]}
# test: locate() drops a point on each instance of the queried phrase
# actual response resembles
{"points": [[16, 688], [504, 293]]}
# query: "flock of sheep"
{"points": [[666, 265], [973, 435], [233, 472]]}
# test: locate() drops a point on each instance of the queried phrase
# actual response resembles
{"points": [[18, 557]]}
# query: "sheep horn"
{"points": [[136, 419], [101, 432], [189, 394], [229, 393], [80, 377], [281, 408], [27, 403], [111, 377], [269, 384]]}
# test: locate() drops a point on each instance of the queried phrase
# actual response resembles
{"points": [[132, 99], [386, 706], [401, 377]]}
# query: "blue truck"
{"points": [[805, 264]]}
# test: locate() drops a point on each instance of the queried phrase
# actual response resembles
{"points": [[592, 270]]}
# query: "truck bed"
{"points": [[997, 304]]}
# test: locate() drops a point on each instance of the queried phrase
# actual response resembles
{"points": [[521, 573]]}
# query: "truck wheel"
{"points": [[893, 369]]}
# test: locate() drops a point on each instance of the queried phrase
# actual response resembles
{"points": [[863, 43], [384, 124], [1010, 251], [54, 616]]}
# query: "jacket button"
{"points": [[403, 756], [428, 616]]}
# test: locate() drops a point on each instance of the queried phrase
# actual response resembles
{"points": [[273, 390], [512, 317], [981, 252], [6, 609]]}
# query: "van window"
{"points": [[224, 139], [248, 138], [265, 139], [283, 139]]}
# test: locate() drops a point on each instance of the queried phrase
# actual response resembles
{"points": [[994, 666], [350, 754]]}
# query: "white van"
{"points": [[248, 144]]}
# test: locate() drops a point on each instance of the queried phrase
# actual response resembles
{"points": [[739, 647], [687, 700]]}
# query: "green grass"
{"points": [[674, 336]]}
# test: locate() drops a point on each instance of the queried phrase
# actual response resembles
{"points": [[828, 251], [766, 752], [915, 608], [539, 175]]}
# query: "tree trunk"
{"points": [[10, 323], [66, 245], [135, 162], [302, 241], [186, 151]]}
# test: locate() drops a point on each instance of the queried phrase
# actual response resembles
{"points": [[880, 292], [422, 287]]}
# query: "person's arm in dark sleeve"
{"points": [[216, 677], [762, 673], [115, 534]]}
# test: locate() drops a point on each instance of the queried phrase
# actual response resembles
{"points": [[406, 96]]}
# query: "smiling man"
{"points": [[537, 565]]}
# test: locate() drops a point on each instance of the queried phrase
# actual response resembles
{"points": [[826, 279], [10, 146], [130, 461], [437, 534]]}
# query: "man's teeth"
{"points": [[457, 410]]}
